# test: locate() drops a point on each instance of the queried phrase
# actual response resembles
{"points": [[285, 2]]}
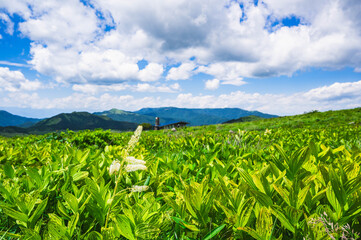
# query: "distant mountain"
{"points": [[8, 119], [245, 119], [80, 121], [201, 116], [120, 115]]}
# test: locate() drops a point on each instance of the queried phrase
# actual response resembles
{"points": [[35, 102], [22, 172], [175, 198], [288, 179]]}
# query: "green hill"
{"points": [[245, 119], [8, 119], [201, 116], [80, 121], [120, 115], [311, 120]]}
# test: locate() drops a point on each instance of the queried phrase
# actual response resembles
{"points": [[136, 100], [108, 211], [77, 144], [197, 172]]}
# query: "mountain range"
{"points": [[8, 119], [200, 116], [121, 120]]}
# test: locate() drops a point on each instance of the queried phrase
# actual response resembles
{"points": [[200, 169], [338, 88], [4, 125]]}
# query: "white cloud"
{"points": [[227, 73], [69, 41], [13, 64], [335, 96], [13, 81], [67, 23], [183, 72], [336, 91], [152, 72], [145, 87], [140, 87], [212, 84], [10, 25]]}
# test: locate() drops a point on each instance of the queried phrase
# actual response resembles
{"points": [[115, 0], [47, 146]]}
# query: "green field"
{"points": [[284, 178]]}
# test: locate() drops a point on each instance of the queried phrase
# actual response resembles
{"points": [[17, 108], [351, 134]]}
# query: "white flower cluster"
{"points": [[135, 167], [136, 188], [114, 167], [135, 138], [133, 160]]}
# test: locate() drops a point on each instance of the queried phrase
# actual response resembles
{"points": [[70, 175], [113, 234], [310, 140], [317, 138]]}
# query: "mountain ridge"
{"points": [[80, 121], [201, 116], [9, 119]]}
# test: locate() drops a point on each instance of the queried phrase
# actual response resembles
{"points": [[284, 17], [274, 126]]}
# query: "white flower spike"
{"points": [[114, 167], [136, 188], [133, 160], [135, 167]]}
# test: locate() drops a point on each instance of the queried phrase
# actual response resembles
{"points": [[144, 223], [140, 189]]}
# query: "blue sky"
{"points": [[90, 55]]}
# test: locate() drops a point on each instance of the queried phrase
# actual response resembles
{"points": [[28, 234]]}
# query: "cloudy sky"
{"points": [[276, 56]]}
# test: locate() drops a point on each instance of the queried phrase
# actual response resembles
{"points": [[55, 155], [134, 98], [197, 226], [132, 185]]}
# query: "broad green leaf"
{"points": [[38, 211], [251, 232], [94, 236], [185, 224], [261, 198], [72, 224], [124, 227], [283, 193], [80, 176], [15, 214], [214, 232], [244, 212], [57, 231], [302, 196], [71, 200], [247, 178], [276, 210]]}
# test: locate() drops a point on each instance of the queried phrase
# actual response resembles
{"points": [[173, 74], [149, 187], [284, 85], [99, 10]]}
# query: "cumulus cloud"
{"points": [[212, 84], [95, 49], [229, 39], [13, 81], [152, 72], [183, 72]]}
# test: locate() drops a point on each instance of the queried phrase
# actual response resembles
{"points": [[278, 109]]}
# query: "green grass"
{"points": [[266, 179]]}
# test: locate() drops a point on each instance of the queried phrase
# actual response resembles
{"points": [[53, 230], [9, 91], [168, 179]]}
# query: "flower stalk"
{"points": [[134, 165]]}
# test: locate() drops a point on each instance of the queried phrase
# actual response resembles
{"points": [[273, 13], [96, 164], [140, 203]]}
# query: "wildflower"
{"points": [[135, 138], [133, 160], [114, 167], [136, 188], [135, 167], [267, 131]]}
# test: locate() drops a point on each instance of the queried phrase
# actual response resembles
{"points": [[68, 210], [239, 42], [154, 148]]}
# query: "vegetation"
{"points": [[283, 178], [245, 119]]}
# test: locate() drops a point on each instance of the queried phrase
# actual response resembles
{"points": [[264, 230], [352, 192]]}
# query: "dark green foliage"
{"points": [[245, 119]]}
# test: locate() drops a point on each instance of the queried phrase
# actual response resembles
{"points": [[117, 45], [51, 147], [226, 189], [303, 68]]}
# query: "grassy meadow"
{"points": [[292, 177]]}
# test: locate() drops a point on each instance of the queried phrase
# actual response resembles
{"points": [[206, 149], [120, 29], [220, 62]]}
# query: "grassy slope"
{"points": [[308, 120]]}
